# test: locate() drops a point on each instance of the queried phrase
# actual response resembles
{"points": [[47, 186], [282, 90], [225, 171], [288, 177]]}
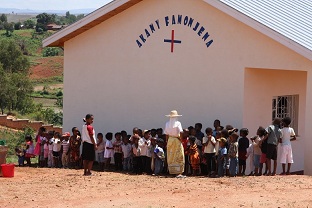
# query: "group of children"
{"points": [[141, 153], [52, 149], [222, 151]]}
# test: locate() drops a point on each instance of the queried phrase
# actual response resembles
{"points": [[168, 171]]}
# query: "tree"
{"points": [[43, 20], [80, 16], [29, 24], [17, 26], [3, 18], [9, 27], [4, 83], [70, 18], [15, 85]]}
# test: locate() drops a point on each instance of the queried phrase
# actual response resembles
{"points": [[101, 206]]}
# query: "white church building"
{"points": [[243, 62]]}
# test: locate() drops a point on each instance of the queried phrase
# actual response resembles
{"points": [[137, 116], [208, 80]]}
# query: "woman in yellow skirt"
{"points": [[175, 152]]}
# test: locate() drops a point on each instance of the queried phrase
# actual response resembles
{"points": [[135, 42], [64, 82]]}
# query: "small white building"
{"points": [[241, 61]]}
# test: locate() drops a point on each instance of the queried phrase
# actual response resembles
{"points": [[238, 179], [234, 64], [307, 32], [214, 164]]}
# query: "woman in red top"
{"points": [[89, 145]]}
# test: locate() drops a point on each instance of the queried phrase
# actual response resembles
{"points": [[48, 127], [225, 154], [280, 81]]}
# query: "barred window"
{"points": [[286, 106]]}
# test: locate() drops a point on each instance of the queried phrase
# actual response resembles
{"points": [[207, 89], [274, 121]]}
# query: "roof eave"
{"points": [[261, 28], [98, 16]]}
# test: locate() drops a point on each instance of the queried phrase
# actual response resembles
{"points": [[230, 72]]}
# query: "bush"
{"points": [[50, 51], [59, 102], [59, 93]]}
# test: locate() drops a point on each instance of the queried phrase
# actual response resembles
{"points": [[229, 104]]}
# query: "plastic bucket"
{"points": [[7, 170]]}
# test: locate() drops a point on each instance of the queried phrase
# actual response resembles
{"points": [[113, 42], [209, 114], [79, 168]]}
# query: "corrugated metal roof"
{"points": [[286, 21], [290, 18]]}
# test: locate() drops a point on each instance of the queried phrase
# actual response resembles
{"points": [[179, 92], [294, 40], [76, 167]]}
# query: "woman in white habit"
{"points": [[175, 152]]}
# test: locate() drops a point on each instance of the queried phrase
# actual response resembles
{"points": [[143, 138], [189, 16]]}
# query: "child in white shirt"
{"points": [[136, 152], [109, 149], [288, 134], [100, 150], [126, 154], [56, 148]]}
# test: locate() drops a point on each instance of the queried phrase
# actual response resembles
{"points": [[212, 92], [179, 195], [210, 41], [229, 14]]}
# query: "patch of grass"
{"points": [[50, 80], [14, 138]]}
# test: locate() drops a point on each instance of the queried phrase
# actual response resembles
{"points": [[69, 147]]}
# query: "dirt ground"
{"points": [[37, 187], [47, 67]]}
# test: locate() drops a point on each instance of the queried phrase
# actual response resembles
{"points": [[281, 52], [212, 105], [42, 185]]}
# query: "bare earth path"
{"points": [[35, 187]]}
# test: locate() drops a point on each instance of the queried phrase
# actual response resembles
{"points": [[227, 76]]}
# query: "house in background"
{"points": [[55, 27], [241, 61]]}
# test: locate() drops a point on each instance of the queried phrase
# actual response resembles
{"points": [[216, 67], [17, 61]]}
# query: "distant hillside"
{"points": [[35, 12], [19, 17], [42, 68]]}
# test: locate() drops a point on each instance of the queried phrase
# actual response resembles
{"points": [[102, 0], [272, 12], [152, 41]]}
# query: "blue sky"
{"points": [[53, 4]]}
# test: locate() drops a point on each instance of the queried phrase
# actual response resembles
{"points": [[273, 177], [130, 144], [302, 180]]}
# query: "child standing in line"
{"points": [[233, 154], [216, 125], [50, 141], [209, 143], [243, 144], [199, 135], [40, 138], [159, 133], [225, 134], [46, 150], [41, 156], [217, 147], [222, 152], [126, 153], [185, 144], [288, 135], [263, 147], [136, 150], [256, 142], [65, 149], [145, 145], [159, 157], [20, 154], [250, 155], [151, 153], [29, 153], [74, 148], [194, 155], [135, 132], [109, 149], [56, 148], [118, 152], [100, 150]]}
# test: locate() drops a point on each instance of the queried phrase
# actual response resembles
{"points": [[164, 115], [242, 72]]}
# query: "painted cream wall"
{"points": [[308, 129], [125, 86], [261, 85]]}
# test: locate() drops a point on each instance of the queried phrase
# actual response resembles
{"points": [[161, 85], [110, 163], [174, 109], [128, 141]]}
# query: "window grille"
{"points": [[286, 106]]}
